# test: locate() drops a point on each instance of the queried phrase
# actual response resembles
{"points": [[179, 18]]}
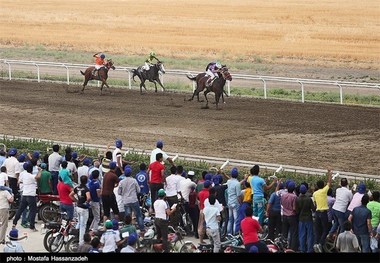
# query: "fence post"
{"points": [[229, 88], [9, 70], [67, 74], [129, 79], [38, 72], [302, 92], [340, 92], [265, 88], [162, 80]]}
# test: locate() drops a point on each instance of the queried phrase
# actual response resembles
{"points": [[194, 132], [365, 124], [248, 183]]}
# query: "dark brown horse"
{"points": [[217, 86], [152, 75], [101, 75]]}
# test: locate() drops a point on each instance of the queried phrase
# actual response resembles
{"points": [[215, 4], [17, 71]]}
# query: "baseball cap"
{"points": [[127, 170], [86, 161], [36, 154], [207, 184], [74, 155], [291, 185], [161, 193], [43, 165], [159, 144], [115, 224], [190, 173], [208, 177], [234, 172], [361, 188], [108, 224], [132, 238], [21, 158], [112, 165], [303, 189], [13, 233]]}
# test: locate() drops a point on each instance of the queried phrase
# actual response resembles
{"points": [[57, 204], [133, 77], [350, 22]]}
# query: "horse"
{"points": [[152, 74], [101, 76], [217, 86]]}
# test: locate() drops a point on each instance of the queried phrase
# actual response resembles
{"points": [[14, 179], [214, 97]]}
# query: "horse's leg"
{"points": [[162, 86], [84, 84], [217, 98], [205, 93]]}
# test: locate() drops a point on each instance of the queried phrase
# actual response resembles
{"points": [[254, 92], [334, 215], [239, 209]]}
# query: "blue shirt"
{"points": [[257, 186], [275, 201], [233, 191], [142, 180], [2, 159], [360, 215], [93, 186]]}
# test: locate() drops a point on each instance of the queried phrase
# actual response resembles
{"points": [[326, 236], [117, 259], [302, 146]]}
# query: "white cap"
{"points": [[190, 173]]}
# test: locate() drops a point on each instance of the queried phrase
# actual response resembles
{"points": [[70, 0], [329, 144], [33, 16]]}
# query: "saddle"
{"points": [[209, 81]]}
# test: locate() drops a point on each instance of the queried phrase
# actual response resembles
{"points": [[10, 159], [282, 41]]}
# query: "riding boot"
{"points": [[94, 72]]}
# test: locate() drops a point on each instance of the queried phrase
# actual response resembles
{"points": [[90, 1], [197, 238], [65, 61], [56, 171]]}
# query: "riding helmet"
{"points": [[218, 65], [152, 53], [102, 56]]}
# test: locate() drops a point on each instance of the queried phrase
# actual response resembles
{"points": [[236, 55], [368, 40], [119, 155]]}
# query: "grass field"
{"points": [[341, 33]]}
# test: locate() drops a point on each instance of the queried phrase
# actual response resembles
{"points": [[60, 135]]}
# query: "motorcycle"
{"points": [[60, 234], [278, 245], [232, 244]]}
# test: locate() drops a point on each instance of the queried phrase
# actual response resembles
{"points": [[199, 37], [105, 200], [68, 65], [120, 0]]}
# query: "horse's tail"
{"points": [[191, 78], [82, 72], [135, 72]]}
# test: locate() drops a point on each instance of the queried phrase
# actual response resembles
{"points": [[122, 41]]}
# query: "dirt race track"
{"points": [[311, 135]]}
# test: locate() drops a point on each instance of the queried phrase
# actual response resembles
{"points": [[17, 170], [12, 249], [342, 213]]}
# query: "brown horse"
{"points": [[217, 86], [102, 75]]}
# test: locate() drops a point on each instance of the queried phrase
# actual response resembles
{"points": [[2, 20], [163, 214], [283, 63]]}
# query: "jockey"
{"points": [[212, 70], [149, 60], [99, 61]]}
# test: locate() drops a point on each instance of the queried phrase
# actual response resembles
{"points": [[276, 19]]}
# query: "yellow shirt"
{"points": [[247, 195], [320, 198]]}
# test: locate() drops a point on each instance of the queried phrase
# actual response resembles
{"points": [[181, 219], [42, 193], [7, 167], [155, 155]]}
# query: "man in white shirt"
{"points": [[172, 189], [54, 161], [13, 170], [5, 199], [185, 186], [343, 197], [117, 157], [160, 145], [3, 176], [212, 219], [83, 170], [29, 196]]}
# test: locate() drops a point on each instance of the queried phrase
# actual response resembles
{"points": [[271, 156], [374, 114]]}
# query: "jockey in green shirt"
{"points": [[149, 60]]}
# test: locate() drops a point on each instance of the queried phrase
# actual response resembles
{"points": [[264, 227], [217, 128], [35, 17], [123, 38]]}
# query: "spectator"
{"points": [[29, 197], [250, 228], [304, 209], [83, 170], [374, 207], [321, 218], [110, 240], [201, 181], [163, 211], [95, 193], [128, 227], [193, 210], [347, 241], [172, 189], [66, 203], [233, 202], [73, 171], [289, 217], [360, 218], [258, 187], [273, 213], [3, 176], [54, 161], [202, 196], [221, 189], [142, 180], [339, 209], [132, 239], [105, 166], [13, 170], [5, 199], [45, 185], [156, 176], [96, 167], [159, 146], [119, 200], [212, 217], [246, 195], [330, 203], [129, 189], [356, 199], [117, 157], [110, 181], [14, 246], [81, 194], [2, 157], [86, 246], [95, 245], [64, 174]]}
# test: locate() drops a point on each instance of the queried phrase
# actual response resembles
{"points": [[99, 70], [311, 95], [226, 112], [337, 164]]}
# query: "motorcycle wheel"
{"points": [[72, 245], [264, 234], [48, 238], [49, 213], [188, 247], [57, 243], [188, 225]]}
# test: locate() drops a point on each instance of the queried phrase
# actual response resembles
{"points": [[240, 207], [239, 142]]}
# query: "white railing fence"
{"points": [[341, 85]]}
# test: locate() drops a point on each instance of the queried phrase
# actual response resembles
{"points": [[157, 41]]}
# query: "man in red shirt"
{"points": [[250, 227], [156, 176], [202, 196], [66, 203], [110, 181]]}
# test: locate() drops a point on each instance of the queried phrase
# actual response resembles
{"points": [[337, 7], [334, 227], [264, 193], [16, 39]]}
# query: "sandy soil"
{"points": [[311, 134]]}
